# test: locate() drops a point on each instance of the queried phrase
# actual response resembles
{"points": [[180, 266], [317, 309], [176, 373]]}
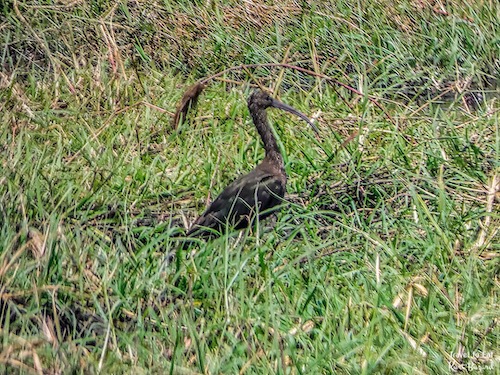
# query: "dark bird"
{"points": [[257, 192]]}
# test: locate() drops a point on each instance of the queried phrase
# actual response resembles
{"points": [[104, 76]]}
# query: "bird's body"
{"points": [[251, 194], [256, 193]]}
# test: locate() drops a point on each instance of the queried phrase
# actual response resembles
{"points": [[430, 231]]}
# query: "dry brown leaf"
{"points": [[188, 101], [37, 242], [49, 331]]}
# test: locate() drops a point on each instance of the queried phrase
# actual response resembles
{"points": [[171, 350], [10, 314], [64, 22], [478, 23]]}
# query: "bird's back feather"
{"points": [[237, 205]]}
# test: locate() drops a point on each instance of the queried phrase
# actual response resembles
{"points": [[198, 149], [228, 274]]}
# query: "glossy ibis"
{"points": [[257, 192]]}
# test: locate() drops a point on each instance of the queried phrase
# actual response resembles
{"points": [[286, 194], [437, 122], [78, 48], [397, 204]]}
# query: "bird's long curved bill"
{"points": [[286, 107]]}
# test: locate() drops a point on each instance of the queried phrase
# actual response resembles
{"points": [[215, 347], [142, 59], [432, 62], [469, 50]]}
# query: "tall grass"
{"points": [[384, 257]]}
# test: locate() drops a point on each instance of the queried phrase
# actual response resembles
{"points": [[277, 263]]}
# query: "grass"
{"points": [[385, 257]]}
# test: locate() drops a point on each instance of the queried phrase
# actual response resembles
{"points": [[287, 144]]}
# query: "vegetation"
{"points": [[385, 256]]}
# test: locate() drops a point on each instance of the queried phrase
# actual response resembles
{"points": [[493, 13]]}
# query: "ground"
{"points": [[384, 257]]}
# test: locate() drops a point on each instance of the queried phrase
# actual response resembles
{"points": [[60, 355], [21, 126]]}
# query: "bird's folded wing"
{"points": [[238, 202]]}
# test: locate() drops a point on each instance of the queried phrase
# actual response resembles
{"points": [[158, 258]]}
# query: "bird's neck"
{"points": [[273, 154]]}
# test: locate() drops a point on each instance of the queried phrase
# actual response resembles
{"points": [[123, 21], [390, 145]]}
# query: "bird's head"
{"points": [[259, 100]]}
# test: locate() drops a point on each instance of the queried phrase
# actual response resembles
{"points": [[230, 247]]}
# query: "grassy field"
{"points": [[385, 257]]}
